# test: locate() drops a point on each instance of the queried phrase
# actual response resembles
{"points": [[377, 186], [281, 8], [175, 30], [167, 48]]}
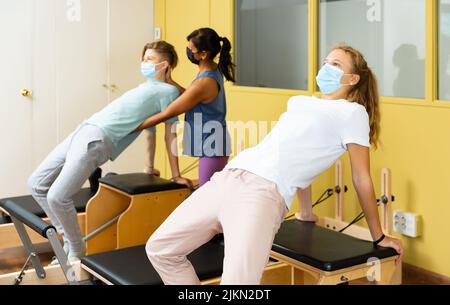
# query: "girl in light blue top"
{"points": [[103, 137]]}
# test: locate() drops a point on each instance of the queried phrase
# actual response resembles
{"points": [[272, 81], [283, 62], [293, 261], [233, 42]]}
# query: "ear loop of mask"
{"points": [[160, 63], [164, 61], [351, 82]]}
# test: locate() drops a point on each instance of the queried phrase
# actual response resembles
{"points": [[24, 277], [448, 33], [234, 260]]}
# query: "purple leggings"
{"points": [[208, 166]]}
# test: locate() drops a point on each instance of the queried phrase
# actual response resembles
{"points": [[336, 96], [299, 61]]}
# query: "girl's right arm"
{"points": [[305, 206], [151, 147]]}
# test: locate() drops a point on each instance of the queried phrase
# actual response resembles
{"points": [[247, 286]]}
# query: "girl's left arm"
{"points": [[360, 162]]}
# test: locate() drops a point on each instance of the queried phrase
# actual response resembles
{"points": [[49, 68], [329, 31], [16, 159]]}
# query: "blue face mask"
{"points": [[329, 79], [149, 70]]}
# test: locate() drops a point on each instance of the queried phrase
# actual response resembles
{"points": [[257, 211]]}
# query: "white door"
{"points": [[75, 57], [81, 42], [131, 27], [70, 69], [81, 62], [16, 23]]}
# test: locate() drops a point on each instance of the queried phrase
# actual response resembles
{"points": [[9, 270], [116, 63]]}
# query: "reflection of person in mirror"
{"points": [[409, 81]]}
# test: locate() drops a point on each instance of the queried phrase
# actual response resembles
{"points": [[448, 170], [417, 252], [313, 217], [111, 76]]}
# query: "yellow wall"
{"points": [[416, 145]]}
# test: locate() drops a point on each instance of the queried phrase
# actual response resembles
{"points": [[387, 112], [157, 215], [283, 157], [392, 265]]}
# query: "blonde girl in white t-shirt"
{"points": [[249, 199]]}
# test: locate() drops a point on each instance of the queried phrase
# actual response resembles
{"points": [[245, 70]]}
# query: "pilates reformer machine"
{"points": [[322, 254], [119, 215], [17, 211], [127, 209], [9, 237]]}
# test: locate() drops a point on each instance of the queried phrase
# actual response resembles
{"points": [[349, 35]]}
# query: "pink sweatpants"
{"points": [[247, 208]]}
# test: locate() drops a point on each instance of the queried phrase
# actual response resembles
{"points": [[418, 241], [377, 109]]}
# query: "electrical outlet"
{"points": [[157, 34], [408, 224]]}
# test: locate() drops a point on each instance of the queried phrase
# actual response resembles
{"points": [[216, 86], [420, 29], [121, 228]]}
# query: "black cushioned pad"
{"points": [[324, 249], [131, 266], [140, 183], [28, 203]]}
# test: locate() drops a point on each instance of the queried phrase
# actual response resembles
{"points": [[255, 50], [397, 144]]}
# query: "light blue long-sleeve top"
{"points": [[126, 113]]}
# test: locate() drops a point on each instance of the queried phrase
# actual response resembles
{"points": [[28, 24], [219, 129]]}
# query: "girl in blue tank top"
{"points": [[204, 103]]}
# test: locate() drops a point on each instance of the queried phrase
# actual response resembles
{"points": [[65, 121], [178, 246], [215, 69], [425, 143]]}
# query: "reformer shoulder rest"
{"points": [[28, 203], [34, 222]]}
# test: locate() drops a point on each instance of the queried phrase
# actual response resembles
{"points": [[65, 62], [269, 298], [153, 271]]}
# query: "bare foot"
{"points": [[306, 218]]}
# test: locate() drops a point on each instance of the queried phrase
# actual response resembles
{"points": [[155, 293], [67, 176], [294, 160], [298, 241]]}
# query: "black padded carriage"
{"points": [[131, 266], [325, 249]]}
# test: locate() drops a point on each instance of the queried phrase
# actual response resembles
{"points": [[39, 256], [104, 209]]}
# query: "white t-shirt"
{"points": [[309, 138]]}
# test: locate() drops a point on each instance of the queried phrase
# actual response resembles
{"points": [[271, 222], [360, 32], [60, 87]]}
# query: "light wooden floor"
{"points": [[12, 260]]}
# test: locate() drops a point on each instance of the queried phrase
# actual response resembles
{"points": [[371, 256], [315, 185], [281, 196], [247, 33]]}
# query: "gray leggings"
{"points": [[62, 174]]}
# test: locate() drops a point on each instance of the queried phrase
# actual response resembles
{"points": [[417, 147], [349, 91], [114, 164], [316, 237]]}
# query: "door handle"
{"points": [[113, 87], [26, 92]]}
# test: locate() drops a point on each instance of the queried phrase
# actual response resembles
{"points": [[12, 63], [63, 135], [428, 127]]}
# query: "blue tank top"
{"points": [[205, 130]]}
